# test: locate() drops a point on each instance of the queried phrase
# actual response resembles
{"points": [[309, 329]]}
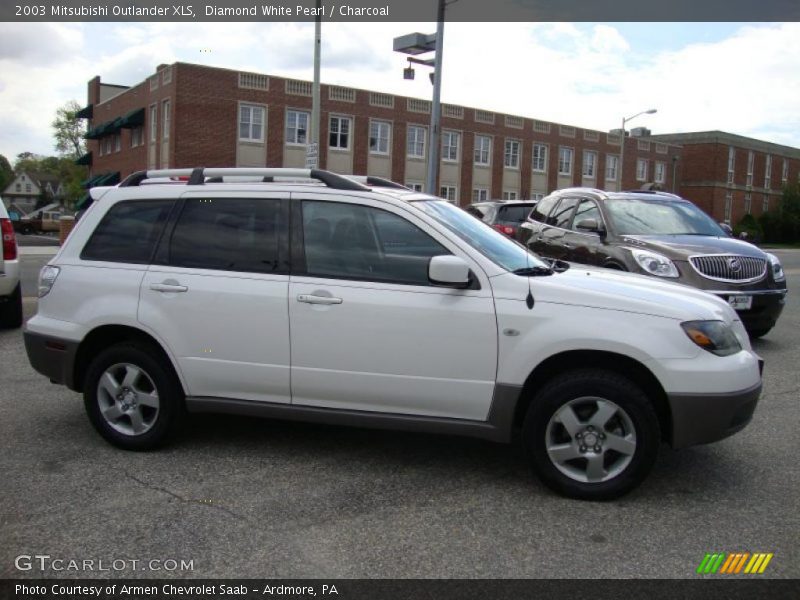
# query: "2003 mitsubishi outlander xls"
{"points": [[307, 295]]}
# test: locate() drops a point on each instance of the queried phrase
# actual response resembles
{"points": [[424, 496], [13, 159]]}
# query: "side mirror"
{"points": [[448, 271], [727, 229], [590, 225]]}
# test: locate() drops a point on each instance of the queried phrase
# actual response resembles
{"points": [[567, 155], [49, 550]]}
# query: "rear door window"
{"points": [[227, 234], [515, 213], [562, 214], [542, 209], [587, 209], [128, 232]]}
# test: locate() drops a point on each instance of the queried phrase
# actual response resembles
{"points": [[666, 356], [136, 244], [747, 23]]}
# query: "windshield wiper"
{"points": [[533, 271]]}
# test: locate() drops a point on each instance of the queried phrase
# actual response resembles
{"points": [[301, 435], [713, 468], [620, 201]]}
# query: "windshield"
{"points": [[492, 244], [660, 217]]}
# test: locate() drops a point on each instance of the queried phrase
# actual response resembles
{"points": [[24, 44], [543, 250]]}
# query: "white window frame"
{"points": [[480, 194], [536, 196], [413, 143], [751, 159], [483, 152], [748, 203], [566, 157], [166, 118], [540, 155], [785, 172], [641, 169], [765, 203], [768, 172], [728, 207], [117, 142], [589, 166], [252, 110], [340, 119], [417, 186], [299, 115], [731, 163], [660, 172], [450, 145], [612, 172], [137, 139], [446, 191], [511, 154], [153, 123], [510, 195], [380, 128]]}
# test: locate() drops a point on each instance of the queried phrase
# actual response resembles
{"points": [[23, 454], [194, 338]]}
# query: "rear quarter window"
{"points": [[128, 232]]}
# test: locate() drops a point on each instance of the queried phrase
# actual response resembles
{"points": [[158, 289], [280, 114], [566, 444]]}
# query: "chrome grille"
{"points": [[729, 267]]}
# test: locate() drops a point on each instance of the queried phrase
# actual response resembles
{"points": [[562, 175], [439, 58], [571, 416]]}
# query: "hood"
{"points": [[681, 247], [617, 290]]}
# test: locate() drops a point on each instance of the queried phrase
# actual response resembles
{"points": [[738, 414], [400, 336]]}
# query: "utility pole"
{"points": [[312, 150], [433, 154]]}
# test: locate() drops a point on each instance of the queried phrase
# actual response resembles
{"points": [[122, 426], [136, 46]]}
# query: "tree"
{"points": [[63, 168], [69, 131], [790, 213], [6, 173]]}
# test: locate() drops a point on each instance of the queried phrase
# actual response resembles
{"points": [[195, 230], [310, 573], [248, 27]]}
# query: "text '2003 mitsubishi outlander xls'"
{"points": [[311, 296]]}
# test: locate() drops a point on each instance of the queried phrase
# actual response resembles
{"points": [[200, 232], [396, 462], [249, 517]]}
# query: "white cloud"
{"points": [[587, 76]]}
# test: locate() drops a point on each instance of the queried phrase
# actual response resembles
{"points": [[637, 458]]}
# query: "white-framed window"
{"points": [[448, 192], [731, 163], [107, 143], [137, 136], [641, 169], [765, 203], [339, 133], [511, 154], [565, 160], [28, 188], [415, 142], [748, 203], [165, 117], [483, 150], [297, 127], [510, 195], [660, 173], [785, 172], [540, 158], [728, 207], [450, 140], [480, 195], [153, 122], [414, 185], [536, 196], [612, 167], [117, 142], [251, 123], [751, 159], [379, 137], [589, 163], [768, 172]]}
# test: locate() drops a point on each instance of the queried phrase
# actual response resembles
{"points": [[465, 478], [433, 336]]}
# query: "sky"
{"points": [[743, 78]]}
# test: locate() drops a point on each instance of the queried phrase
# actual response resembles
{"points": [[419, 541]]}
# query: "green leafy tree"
{"points": [[790, 213], [750, 226], [68, 131], [63, 168], [6, 173]]}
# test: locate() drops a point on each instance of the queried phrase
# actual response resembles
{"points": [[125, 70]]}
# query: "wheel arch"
{"points": [[108, 335], [572, 360]]}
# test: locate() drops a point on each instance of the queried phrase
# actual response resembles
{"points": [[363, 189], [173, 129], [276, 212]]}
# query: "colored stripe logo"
{"points": [[734, 563]]}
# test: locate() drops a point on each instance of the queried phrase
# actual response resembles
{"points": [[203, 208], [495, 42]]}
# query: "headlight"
{"points": [[47, 277], [714, 336], [777, 268], [655, 264]]}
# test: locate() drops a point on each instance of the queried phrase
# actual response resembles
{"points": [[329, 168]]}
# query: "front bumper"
{"points": [[705, 418], [766, 308], [52, 357]]}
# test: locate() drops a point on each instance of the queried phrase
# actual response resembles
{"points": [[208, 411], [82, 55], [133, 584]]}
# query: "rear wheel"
{"points": [[591, 434], [11, 310], [132, 398]]}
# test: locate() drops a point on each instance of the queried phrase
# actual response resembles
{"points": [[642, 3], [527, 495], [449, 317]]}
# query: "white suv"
{"points": [[10, 292], [308, 295]]}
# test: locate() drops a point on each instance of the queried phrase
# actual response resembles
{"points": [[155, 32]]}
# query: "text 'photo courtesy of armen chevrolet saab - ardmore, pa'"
{"points": [[361, 306]]}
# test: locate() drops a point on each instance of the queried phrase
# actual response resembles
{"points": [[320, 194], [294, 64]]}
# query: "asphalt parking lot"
{"points": [[242, 497]]}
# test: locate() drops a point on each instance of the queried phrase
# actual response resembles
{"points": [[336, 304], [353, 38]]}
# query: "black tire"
{"points": [[162, 423], [11, 310], [637, 413], [758, 333]]}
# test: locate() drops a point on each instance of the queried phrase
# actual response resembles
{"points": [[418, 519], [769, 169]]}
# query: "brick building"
{"points": [[729, 176], [187, 115]]}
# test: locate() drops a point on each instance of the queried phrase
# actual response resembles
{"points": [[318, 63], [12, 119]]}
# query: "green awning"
{"points": [[104, 129], [86, 159], [91, 182], [85, 201], [85, 113], [134, 118]]}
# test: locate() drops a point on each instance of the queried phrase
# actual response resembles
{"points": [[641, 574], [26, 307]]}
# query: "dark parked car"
{"points": [[506, 217], [663, 235]]}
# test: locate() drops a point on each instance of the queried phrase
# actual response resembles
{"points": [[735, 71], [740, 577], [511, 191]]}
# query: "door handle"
{"points": [[168, 287], [311, 299]]}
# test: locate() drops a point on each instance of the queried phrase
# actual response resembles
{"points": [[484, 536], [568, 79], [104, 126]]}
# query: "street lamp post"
{"points": [[418, 43], [622, 143]]}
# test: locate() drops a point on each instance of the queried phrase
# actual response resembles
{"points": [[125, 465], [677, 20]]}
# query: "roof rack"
{"points": [[372, 181], [201, 176], [653, 192]]}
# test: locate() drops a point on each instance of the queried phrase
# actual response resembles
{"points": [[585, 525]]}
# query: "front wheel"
{"points": [[758, 332], [132, 399], [591, 434]]}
